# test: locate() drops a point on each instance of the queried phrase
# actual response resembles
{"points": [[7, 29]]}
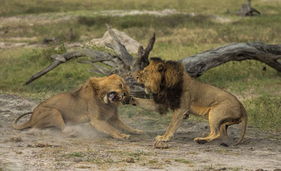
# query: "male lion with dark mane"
{"points": [[172, 88], [96, 102]]}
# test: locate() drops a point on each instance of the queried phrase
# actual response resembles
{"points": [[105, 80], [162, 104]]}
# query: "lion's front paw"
{"points": [[162, 138], [121, 136], [137, 131], [200, 140], [125, 136], [161, 142], [129, 100]]}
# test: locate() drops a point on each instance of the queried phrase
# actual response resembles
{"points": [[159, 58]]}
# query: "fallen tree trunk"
{"points": [[197, 64], [124, 64]]}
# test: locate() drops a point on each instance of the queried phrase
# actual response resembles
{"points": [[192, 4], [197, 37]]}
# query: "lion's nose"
{"points": [[135, 75], [124, 94]]}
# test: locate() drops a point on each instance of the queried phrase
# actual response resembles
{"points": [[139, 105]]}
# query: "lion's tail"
{"points": [[24, 125], [244, 121]]}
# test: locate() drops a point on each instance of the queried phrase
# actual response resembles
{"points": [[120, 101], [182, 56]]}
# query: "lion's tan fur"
{"points": [[87, 104], [218, 106]]}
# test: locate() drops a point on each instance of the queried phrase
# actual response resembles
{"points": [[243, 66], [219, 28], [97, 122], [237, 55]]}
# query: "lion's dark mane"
{"points": [[170, 96]]}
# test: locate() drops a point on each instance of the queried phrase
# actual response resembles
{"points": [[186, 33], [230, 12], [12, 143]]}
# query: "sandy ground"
{"points": [[86, 149]]}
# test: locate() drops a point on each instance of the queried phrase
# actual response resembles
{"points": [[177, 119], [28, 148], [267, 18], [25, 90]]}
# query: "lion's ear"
{"points": [[94, 82], [161, 67]]}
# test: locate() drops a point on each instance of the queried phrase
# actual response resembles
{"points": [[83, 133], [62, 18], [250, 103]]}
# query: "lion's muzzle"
{"points": [[113, 96]]}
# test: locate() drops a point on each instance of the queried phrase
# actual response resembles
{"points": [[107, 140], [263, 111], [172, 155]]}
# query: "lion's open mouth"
{"points": [[112, 97], [147, 90]]}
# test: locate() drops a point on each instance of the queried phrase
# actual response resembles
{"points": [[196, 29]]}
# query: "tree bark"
{"points": [[197, 64]]}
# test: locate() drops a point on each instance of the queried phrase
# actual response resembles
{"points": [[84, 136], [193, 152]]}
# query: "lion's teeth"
{"points": [[146, 91], [105, 99]]}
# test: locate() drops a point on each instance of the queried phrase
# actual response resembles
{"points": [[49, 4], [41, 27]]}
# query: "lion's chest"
{"points": [[105, 112]]}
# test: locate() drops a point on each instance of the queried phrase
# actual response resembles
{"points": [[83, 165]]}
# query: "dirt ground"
{"points": [[86, 149]]}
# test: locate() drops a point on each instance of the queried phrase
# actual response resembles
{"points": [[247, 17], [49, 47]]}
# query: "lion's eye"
{"points": [[121, 85]]}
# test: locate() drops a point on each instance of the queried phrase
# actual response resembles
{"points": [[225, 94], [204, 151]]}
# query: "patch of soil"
{"points": [[89, 150]]}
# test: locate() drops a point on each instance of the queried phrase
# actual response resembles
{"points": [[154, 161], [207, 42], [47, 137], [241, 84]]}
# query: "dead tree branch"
{"points": [[120, 49], [124, 64], [197, 64], [96, 56], [143, 54], [58, 59]]}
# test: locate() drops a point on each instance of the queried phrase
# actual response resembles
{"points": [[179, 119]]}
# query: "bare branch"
{"points": [[149, 46], [43, 72], [85, 61], [101, 70], [96, 55], [58, 59], [269, 54], [120, 49], [143, 54], [62, 58]]}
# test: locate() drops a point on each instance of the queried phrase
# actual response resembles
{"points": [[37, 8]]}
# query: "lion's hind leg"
{"points": [[223, 130], [48, 117], [214, 133], [219, 120], [215, 125]]}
